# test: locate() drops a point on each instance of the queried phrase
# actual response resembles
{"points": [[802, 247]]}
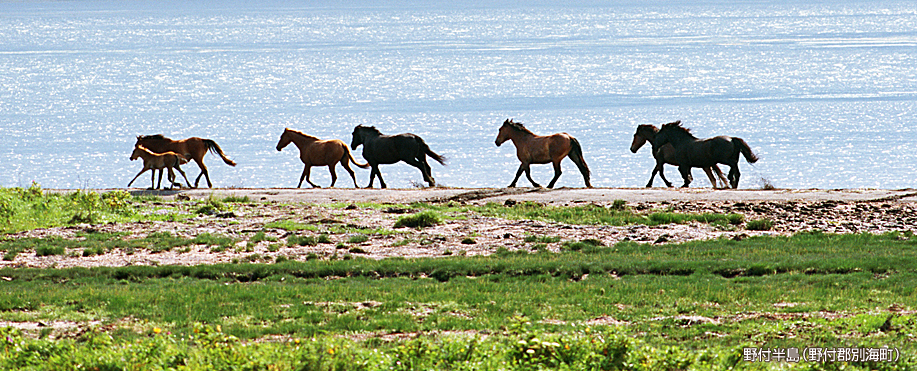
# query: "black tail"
{"points": [[746, 150], [426, 149], [576, 154], [213, 147]]}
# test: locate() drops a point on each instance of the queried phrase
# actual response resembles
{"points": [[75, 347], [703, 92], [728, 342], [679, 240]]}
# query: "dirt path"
{"points": [[547, 196]]}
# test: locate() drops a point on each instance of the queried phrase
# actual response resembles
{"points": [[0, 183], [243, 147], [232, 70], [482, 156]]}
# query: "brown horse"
{"points": [[317, 152], [693, 152], [536, 149], [193, 148], [666, 155], [159, 161]]}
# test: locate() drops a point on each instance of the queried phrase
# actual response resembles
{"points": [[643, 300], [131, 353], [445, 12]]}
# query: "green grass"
{"points": [[30, 208], [679, 303], [422, 219]]}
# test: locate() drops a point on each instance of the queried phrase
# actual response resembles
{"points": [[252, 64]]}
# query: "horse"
{"points": [[317, 152], [693, 152], [666, 155], [193, 148], [389, 149], [536, 149], [159, 161]]}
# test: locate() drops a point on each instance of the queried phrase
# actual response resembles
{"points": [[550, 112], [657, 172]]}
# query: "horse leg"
{"points": [[171, 178], [428, 170], [686, 175], [346, 165], [154, 179], [381, 182], [182, 172], [660, 166], [557, 173], [518, 173], [204, 173], [306, 170], [372, 175], [137, 176], [734, 176], [719, 173], [420, 165], [709, 173], [334, 177], [528, 174]]}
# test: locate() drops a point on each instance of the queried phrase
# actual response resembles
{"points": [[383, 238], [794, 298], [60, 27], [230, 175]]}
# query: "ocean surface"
{"points": [[824, 92]]}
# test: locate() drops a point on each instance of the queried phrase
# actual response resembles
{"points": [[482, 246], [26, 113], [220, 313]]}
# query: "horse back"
{"points": [[323, 152], [389, 149]]}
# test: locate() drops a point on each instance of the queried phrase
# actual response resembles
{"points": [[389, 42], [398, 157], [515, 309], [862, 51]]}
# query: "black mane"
{"points": [[677, 128], [152, 137], [517, 126], [369, 128]]}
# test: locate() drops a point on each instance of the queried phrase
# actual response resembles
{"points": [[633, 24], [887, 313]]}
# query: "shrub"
{"points": [[759, 225], [294, 240], [420, 220], [360, 238]]}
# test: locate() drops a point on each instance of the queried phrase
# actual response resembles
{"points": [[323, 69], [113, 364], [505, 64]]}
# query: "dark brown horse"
{"points": [[159, 161], [317, 152], [389, 149], [537, 149], [693, 152], [193, 148], [666, 155]]}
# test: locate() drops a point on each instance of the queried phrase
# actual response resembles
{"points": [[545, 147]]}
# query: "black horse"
{"points": [[693, 152], [389, 149], [666, 155]]}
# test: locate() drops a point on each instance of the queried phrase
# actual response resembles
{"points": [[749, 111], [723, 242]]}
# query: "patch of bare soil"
{"points": [[463, 234]]}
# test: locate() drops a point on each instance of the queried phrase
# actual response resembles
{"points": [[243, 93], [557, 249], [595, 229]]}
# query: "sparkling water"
{"points": [[825, 93]]}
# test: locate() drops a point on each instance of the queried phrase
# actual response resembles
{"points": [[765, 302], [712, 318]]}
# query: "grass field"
{"points": [[699, 305]]}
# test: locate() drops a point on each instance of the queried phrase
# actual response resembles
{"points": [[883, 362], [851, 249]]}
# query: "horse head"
{"points": [[359, 132], [285, 139], [645, 133], [138, 151], [507, 129]]}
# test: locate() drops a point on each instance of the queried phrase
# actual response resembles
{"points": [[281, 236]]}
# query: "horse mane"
{"points": [[676, 127], [370, 128], [301, 133], [517, 126], [648, 127], [152, 137]]}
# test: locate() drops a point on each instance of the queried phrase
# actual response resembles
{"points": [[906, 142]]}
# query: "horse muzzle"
{"points": [[498, 143]]}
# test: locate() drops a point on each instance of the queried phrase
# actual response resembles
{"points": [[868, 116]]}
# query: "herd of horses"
{"points": [[671, 144]]}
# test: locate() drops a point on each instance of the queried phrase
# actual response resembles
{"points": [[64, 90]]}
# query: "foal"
{"points": [[159, 161]]}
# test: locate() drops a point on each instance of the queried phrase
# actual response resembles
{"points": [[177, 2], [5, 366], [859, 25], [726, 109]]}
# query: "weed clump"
{"points": [[759, 225], [422, 219]]}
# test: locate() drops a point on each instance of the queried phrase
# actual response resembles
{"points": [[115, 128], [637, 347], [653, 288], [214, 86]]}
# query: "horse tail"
{"points": [[576, 154], [213, 147], [746, 150], [351, 159], [426, 149]]}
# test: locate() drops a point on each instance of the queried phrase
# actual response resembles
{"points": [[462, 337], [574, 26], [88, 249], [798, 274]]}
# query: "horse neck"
{"points": [[677, 137], [301, 140], [367, 135], [146, 156], [521, 136]]}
